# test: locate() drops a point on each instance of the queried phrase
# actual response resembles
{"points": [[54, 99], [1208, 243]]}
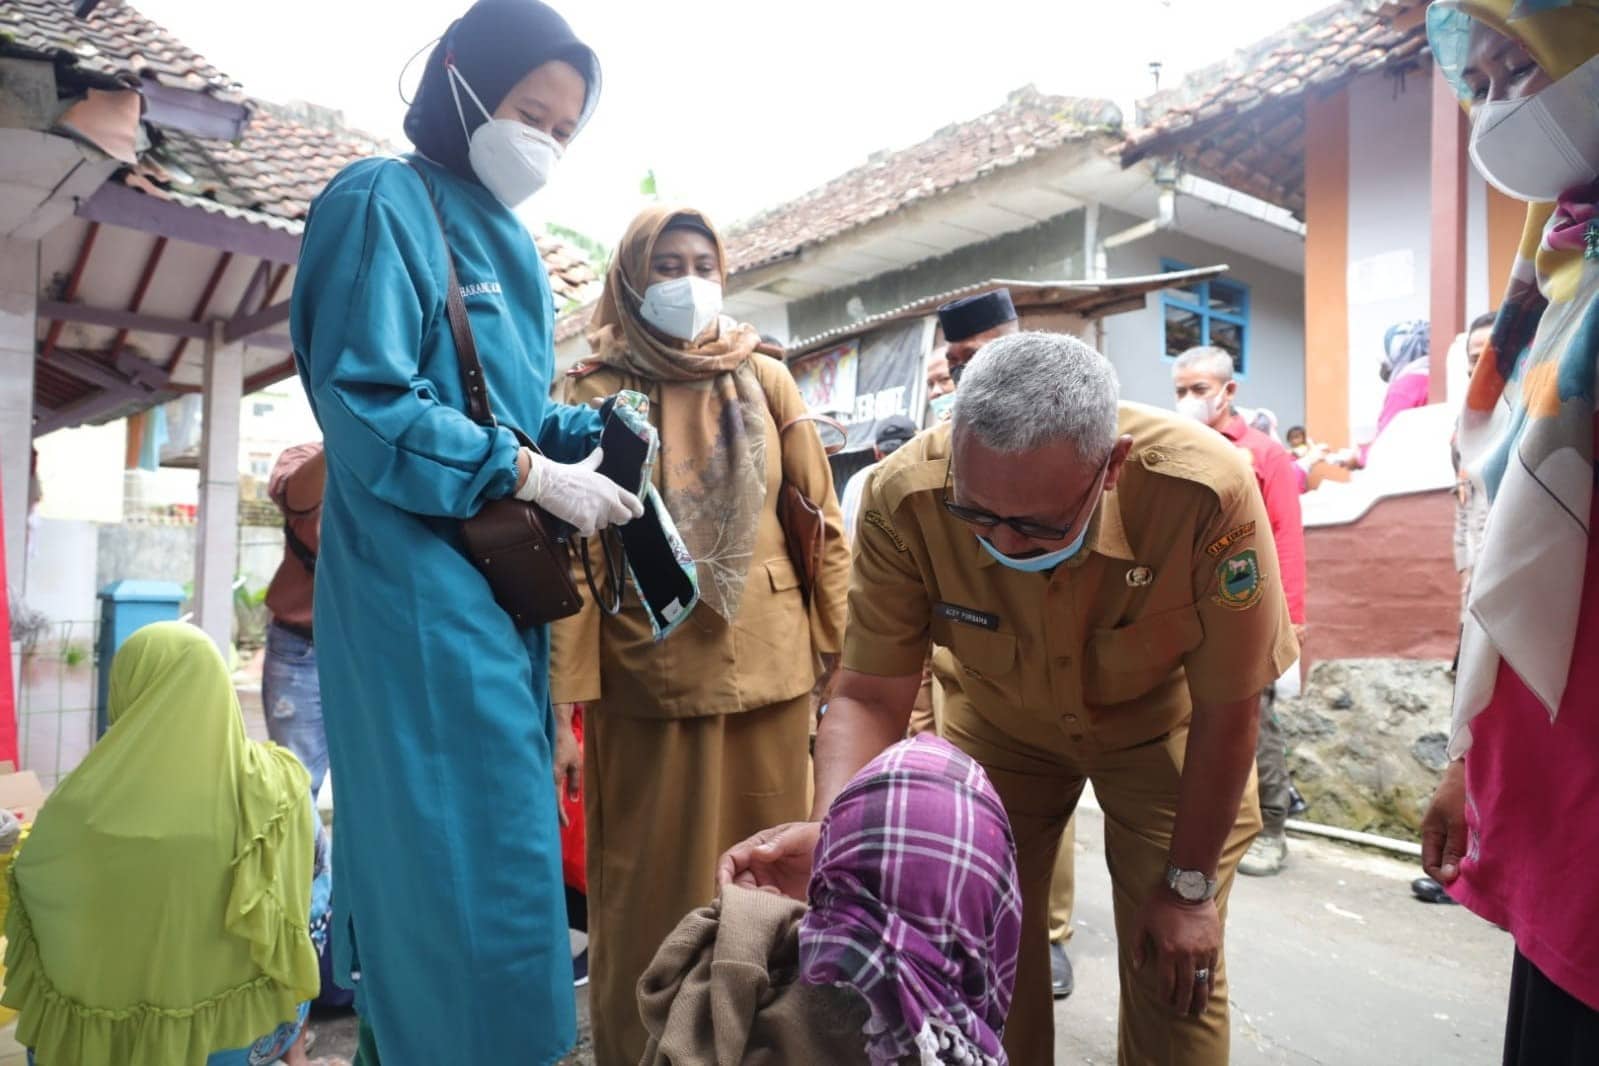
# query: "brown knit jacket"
{"points": [[724, 990]]}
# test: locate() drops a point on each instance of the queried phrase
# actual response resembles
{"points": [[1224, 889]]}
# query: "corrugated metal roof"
{"points": [[1086, 298]]}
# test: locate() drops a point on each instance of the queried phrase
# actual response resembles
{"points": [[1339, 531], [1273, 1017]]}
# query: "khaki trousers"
{"points": [[1137, 789], [1063, 885], [664, 798]]}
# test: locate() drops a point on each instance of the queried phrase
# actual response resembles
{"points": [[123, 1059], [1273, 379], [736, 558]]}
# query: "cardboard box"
{"points": [[20, 793]]}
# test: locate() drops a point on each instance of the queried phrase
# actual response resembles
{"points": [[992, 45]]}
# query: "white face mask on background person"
{"points": [[682, 308], [1202, 408], [512, 159], [1539, 146]]}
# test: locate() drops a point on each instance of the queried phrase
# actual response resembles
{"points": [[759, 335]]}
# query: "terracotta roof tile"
{"points": [[114, 43], [1028, 123], [282, 159], [1219, 117]]}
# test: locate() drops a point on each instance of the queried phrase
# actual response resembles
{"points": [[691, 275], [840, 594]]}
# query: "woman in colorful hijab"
{"points": [[906, 954], [161, 905], [1514, 828], [440, 732], [694, 742]]}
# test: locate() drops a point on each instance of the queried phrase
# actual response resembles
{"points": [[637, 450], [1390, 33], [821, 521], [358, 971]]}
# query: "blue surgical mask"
{"points": [[1037, 563]]}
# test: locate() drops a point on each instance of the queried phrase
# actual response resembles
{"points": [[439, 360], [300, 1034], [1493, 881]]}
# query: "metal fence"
{"points": [[56, 698]]}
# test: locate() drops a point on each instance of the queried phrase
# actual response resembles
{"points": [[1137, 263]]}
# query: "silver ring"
{"points": [[1201, 976]]}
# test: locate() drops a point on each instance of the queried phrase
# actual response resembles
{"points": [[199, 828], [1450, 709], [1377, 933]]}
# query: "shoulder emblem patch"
{"points": [[1238, 584], [875, 518], [1231, 537]]}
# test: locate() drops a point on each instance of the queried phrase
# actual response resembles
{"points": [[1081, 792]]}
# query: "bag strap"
{"points": [[477, 401], [472, 380], [299, 548], [822, 420]]}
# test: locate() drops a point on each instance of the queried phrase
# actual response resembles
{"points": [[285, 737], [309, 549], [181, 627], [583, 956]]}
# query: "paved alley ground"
{"points": [[1331, 964]]}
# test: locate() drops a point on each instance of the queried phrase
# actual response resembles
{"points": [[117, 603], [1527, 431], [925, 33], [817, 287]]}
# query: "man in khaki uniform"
{"points": [[1096, 571], [968, 324]]}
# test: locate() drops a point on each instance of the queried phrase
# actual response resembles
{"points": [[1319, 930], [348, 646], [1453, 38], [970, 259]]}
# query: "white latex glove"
{"points": [[577, 493]]}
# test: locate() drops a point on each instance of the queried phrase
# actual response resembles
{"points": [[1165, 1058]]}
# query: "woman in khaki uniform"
{"points": [[696, 742]]}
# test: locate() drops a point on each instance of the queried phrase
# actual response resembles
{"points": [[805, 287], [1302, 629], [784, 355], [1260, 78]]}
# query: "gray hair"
{"points": [[1028, 390], [1217, 361]]}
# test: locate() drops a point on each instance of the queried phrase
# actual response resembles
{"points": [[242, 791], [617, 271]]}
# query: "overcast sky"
{"points": [[738, 105]]}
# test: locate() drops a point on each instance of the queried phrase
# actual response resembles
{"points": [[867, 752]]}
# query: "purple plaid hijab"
{"points": [[915, 905]]}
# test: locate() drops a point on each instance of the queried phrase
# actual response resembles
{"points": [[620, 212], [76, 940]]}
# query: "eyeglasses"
{"points": [[1032, 530]]}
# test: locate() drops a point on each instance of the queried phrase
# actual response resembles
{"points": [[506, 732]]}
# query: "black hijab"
{"points": [[495, 44]]}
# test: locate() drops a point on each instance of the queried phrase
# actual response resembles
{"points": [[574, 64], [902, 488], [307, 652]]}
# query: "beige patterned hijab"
{"points": [[712, 418]]}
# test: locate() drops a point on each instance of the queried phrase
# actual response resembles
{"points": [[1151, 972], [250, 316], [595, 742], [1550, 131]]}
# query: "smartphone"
{"points": [[665, 588]]}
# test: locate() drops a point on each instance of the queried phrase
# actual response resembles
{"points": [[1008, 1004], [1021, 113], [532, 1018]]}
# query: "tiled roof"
{"points": [[1027, 124], [276, 167], [285, 157], [113, 43], [1241, 122], [573, 278]]}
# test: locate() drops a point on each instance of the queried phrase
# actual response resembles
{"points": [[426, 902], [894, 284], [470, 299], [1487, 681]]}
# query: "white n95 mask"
{"points": [[683, 307], [1201, 408], [512, 159], [1539, 146]]}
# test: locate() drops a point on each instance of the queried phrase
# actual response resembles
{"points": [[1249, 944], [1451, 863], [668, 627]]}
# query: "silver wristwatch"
{"points": [[1192, 886]]}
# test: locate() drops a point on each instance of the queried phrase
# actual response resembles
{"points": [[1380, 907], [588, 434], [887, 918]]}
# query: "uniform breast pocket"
{"points": [[1128, 661], [985, 657]]}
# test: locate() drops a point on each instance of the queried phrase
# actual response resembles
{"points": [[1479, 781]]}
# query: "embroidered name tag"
{"points": [[970, 616], [1232, 537], [481, 288]]}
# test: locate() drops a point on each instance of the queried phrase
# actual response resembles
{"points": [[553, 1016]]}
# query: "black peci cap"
{"points": [[971, 315]]}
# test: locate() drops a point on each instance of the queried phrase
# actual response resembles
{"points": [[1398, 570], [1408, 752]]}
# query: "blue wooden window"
{"points": [[1213, 312]]}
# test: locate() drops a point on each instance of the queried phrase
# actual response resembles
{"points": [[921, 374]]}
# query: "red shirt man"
{"points": [[1203, 379]]}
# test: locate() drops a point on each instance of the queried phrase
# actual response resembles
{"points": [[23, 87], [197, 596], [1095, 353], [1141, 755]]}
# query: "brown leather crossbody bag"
{"points": [[523, 551], [804, 523]]}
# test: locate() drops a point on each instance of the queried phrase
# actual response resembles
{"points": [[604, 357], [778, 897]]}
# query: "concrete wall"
{"points": [[1135, 341], [61, 569], [73, 560], [1048, 251], [1385, 586]]}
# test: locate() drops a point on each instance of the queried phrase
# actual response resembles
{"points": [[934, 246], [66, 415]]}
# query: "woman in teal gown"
{"points": [[450, 919]]}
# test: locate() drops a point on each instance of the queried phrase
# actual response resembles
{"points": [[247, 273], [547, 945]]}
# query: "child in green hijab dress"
{"points": [[161, 905]]}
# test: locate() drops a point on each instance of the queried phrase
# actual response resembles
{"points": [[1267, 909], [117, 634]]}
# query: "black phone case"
{"points": [[659, 578]]}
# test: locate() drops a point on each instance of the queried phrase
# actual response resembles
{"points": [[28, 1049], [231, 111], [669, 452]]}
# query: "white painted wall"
{"points": [[1390, 230], [80, 473], [61, 570], [1135, 340]]}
